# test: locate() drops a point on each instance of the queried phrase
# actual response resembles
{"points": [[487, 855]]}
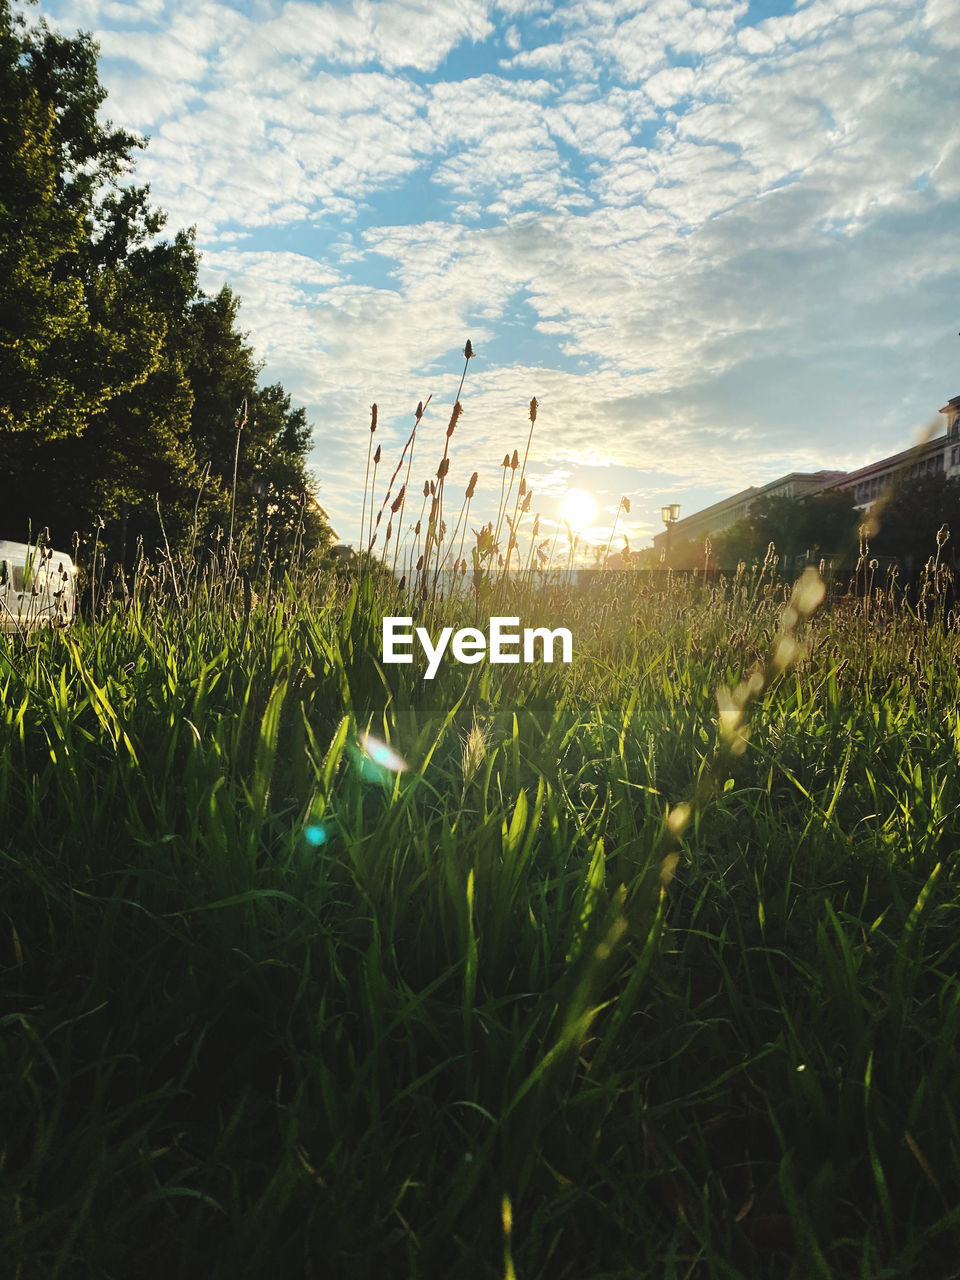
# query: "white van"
{"points": [[38, 587]]}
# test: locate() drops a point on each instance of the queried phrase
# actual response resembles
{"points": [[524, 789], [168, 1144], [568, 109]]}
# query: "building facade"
{"points": [[939, 456]]}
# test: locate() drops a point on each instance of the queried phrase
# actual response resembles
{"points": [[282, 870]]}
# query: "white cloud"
{"points": [[670, 85], [595, 128], [495, 137], [942, 18], [393, 33]]}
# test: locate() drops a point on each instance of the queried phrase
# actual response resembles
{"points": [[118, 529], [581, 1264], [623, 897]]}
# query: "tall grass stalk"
{"points": [[366, 477], [241, 422], [532, 411]]}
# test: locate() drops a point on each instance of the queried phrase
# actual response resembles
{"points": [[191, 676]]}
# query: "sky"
{"points": [[718, 241]]}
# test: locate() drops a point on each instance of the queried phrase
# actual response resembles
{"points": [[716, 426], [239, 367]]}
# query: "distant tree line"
{"points": [[123, 386], [901, 527]]}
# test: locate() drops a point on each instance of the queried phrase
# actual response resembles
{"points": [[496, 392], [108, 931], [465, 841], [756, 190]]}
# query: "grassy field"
{"points": [[645, 966]]}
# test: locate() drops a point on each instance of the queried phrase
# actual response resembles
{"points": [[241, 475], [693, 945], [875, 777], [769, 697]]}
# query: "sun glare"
{"points": [[579, 510]]}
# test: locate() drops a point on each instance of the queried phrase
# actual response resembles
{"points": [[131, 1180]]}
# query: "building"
{"points": [[713, 520], [872, 481], [940, 456], [952, 412]]}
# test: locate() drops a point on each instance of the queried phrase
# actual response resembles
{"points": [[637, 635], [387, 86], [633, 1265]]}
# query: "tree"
{"points": [[72, 334], [817, 526], [276, 505], [137, 444], [908, 521], [120, 380], [288, 513]]}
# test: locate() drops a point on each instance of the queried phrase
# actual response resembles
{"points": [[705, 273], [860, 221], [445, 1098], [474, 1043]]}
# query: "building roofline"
{"points": [[753, 492], [718, 506], [895, 460]]}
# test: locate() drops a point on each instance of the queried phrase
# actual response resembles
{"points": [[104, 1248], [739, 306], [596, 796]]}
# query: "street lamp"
{"points": [[670, 515]]}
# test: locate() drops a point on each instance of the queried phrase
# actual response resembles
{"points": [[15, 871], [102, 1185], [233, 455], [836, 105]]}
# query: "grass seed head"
{"points": [[474, 746]]}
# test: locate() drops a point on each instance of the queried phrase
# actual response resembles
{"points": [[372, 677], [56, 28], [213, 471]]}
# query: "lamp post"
{"points": [[670, 515]]}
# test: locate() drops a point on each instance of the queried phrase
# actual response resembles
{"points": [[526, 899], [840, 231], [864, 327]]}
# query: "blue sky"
{"points": [[718, 241]]}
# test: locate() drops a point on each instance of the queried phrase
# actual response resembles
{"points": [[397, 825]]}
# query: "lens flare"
{"points": [[382, 754], [315, 834]]}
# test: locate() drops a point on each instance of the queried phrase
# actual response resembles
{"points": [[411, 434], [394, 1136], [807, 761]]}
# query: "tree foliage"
{"points": [[121, 381], [906, 523], [819, 526], [903, 526], [72, 333]]}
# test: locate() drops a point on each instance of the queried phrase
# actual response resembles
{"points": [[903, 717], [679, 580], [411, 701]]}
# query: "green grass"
{"points": [[271, 1009]]}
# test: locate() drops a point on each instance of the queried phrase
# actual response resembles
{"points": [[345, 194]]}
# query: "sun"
{"points": [[579, 510]]}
